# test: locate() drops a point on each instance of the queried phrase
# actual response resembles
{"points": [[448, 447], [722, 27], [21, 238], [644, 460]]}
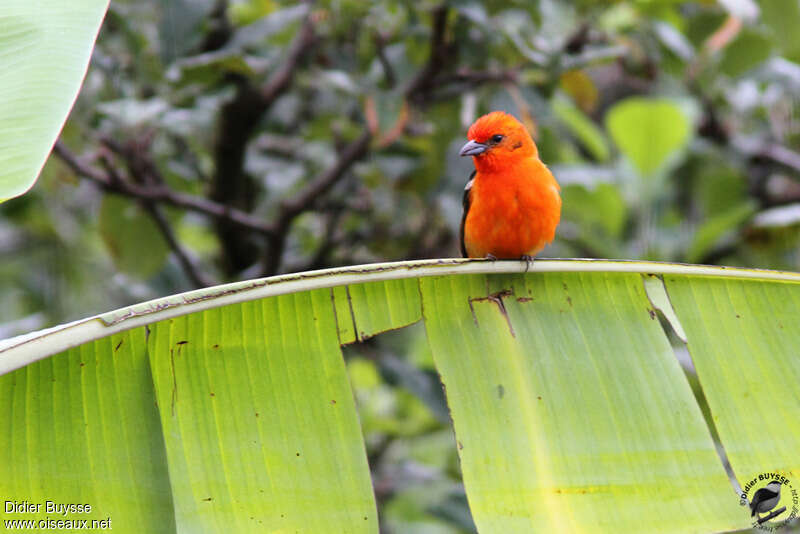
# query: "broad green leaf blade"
{"points": [[648, 131], [25, 349], [715, 228], [132, 236], [744, 337], [364, 310], [280, 342], [568, 402], [782, 18], [749, 50], [583, 128], [44, 51], [81, 427], [259, 420]]}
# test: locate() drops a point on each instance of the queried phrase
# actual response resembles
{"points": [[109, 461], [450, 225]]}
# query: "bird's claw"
{"points": [[491, 257], [528, 261]]}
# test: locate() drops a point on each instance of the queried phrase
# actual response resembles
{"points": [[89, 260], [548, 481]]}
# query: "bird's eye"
{"points": [[497, 138]]}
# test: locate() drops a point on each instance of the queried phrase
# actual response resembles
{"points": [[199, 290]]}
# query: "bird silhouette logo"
{"points": [[770, 496], [765, 499]]}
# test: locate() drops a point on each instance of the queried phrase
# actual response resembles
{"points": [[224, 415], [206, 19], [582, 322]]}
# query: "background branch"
{"points": [[238, 120], [193, 273], [304, 200], [161, 193], [147, 197], [438, 58]]}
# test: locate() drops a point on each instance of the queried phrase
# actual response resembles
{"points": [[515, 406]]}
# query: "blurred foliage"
{"points": [[673, 128]]}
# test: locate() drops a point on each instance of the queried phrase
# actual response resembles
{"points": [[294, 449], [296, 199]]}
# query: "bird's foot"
{"points": [[491, 257], [528, 261]]}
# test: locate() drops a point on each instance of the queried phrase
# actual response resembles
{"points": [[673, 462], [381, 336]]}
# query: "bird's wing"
{"points": [[758, 497], [466, 202]]}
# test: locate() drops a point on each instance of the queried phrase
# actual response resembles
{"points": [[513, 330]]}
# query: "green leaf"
{"points": [[783, 18], [259, 419], [576, 377], [82, 427], [716, 228], [719, 186], [600, 210], [44, 51], [211, 67], [132, 237], [703, 25], [648, 131], [565, 394], [583, 128], [743, 338], [251, 10], [364, 310], [747, 51]]}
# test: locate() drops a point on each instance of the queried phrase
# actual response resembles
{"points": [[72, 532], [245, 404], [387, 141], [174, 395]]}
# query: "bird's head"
{"points": [[497, 139], [774, 486]]}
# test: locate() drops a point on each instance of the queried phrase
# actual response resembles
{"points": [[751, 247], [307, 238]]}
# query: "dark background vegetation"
{"points": [[219, 140]]}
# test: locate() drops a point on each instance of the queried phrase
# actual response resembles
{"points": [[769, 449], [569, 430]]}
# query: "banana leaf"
{"points": [[229, 409]]}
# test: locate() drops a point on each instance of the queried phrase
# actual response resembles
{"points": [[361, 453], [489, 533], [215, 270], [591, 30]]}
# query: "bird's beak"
{"points": [[473, 148]]}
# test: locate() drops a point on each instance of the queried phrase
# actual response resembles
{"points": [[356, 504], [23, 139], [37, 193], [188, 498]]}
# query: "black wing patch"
{"points": [[466, 203]]}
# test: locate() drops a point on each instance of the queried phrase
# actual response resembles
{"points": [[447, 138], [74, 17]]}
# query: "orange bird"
{"points": [[512, 203]]}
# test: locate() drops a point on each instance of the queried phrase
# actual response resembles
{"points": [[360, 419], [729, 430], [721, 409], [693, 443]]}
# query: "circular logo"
{"points": [[772, 500]]}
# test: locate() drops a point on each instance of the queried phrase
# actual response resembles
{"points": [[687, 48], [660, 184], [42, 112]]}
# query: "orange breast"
{"points": [[512, 213]]}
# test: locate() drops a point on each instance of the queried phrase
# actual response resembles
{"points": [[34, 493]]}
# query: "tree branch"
{"points": [[380, 51], [239, 119], [327, 244], [441, 58], [147, 197], [774, 513], [417, 91], [232, 192], [292, 207], [282, 78], [440, 51], [192, 271], [220, 28], [162, 194], [472, 77]]}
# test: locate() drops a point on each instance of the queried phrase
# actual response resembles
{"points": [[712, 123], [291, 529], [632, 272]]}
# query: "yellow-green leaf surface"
{"points": [[568, 402], [82, 428], [228, 409], [259, 421], [44, 51], [648, 131], [127, 230], [582, 127], [364, 310], [744, 338]]}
